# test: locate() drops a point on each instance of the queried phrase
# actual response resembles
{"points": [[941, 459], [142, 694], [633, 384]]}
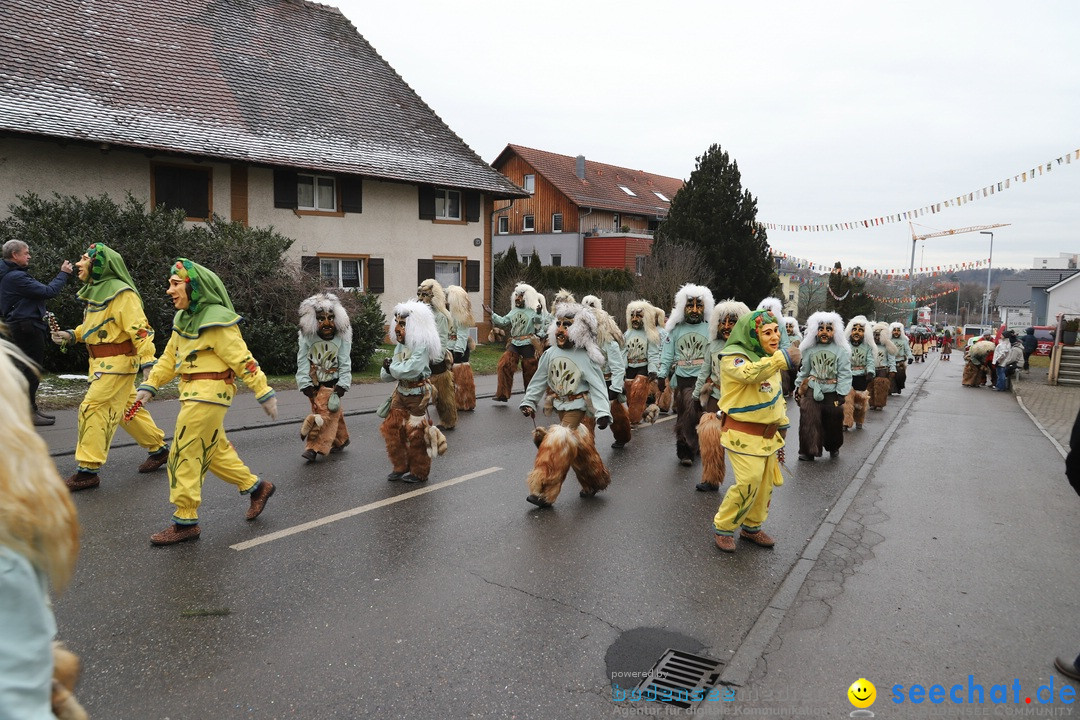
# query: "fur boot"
{"points": [[810, 430], [417, 446], [666, 399], [587, 464], [445, 399], [464, 387], [557, 449], [620, 422], [860, 400], [971, 375], [637, 394], [879, 391], [712, 450], [528, 369], [505, 370], [394, 433]]}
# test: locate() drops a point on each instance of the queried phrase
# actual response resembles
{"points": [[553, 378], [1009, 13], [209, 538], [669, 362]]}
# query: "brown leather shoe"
{"points": [[759, 538], [726, 542], [259, 496], [155, 460], [82, 481], [175, 534]]}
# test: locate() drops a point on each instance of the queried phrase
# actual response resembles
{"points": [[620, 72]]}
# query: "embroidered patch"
{"points": [[765, 387], [739, 361]]}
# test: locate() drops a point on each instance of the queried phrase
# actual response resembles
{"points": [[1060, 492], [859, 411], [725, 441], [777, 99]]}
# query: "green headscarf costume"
{"points": [[744, 338], [108, 278], [210, 304]]}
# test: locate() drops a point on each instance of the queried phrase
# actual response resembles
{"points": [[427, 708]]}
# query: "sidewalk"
{"points": [[1052, 408], [246, 413]]}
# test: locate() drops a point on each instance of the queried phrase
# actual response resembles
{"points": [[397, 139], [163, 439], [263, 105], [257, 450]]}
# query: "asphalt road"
{"points": [[458, 599]]}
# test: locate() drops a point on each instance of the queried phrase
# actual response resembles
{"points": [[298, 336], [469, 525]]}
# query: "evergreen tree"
{"points": [[846, 295], [714, 213]]}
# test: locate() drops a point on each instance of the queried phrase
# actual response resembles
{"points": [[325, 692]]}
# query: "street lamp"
{"points": [[989, 267]]}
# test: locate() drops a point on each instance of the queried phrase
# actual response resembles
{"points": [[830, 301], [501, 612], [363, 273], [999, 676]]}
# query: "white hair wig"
{"points": [[532, 298], [438, 295], [543, 301], [563, 296], [582, 333], [459, 304], [731, 306], [773, 305], [815, 321], [327, 302], [420, 329], [868, 330], [686, 292], [898, 326], [607, 328], [789, 320], [886, 339], [651, 318]]}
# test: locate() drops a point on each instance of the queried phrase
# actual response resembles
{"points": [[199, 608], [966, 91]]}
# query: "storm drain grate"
{"points": [[679, 678]]}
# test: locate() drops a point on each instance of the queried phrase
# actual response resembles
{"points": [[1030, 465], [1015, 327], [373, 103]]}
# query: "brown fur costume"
{"points": [[879, 389], [445, 396], [569, 444], [709, 433], [855, 407], [406, 441], [507, 367], [688, 410], [65, 676], [324, 431], [637, 396], [620, 422], [464, 386], [666, 399]]}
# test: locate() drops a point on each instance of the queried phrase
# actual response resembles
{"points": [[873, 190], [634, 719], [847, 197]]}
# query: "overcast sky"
{"points": [[834, 111]]}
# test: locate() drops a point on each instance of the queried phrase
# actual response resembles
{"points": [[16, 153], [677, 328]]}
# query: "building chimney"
{"points": [[579, 170]]}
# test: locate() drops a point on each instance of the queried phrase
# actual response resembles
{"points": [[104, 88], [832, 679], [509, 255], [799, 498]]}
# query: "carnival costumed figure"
{"points": [[863, 371], [681, 358], [120, 342], [522, 323], [461, 345], [946, 345], [208, 353], [543, 322], [666, 394], [918, 347], [776, 307], [563, 297], [822, 385], [976, 362], [569, 379], [613, 346], [431, 293], [754, 421], [884, 366], [324, 373], [642, 348], [707, 390], [903, 357], [791, 326], [412, 442]]}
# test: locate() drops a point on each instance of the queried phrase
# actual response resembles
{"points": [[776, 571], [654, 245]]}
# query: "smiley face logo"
{"points": [[862, 693]]}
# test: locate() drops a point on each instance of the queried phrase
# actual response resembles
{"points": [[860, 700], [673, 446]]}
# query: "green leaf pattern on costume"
{"points": [[746, 501], [519, 323], [191, 358], [691, 346], [323, 357], [823, 368], [636, 350], [564, 376]]}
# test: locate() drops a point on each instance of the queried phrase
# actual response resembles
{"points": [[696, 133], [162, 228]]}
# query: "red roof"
{"points": [[603, 185]]}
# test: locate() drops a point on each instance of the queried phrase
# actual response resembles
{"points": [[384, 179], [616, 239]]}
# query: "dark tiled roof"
{"points": [[600, 188], [1014, 293], [272, 82], [1045, 277]]}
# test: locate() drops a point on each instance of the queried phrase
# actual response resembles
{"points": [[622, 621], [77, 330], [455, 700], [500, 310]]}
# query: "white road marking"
{"points": [[304, 527]]}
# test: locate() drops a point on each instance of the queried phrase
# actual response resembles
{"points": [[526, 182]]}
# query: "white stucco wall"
{"points": [[566, 244], [1065, 299], [388, 228]]}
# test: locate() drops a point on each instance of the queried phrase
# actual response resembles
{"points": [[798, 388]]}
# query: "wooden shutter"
{"points": [[427, 202], [352, 194], [472, 205], [425, 270], [376, 284], [285, 189], [472, 276]]}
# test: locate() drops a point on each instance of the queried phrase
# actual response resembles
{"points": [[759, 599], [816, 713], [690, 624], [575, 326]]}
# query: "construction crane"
{"points": [[956, 231]]}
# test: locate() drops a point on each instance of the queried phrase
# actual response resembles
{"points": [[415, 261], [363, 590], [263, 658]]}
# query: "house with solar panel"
{"points": [[266, 112], [580, 212]]}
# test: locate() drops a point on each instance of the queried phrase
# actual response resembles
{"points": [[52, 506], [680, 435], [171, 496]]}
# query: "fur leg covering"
{"points": [[879, 391], [809, 425], [66, 668], [528, 369], [849, 410], [589, 468], [464, 387], [712, 450], [689, 413], [620, 422], [419, 460], [394, 433], [445, 399], [666, 399], [862, 397], [832, 422], [558, 447], [311, 422], [637, 393], [971, 375], [435, 441], [590, 423], [505, 370]]}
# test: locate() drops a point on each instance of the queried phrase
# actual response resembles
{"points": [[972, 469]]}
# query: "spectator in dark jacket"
{"points": [[22, 305], [1029, 342], [1066, 665]]}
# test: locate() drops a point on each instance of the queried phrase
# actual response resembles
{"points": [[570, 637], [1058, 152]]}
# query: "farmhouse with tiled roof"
{"points": [[580, 212], [267, 112]]}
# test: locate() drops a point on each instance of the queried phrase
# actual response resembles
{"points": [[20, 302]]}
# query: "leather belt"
{"points": [[98, 350], [750, 428], [227, 375], [567, 398], [413, 383]]}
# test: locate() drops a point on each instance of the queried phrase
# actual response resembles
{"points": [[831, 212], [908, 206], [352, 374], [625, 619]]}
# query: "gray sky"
{"points": [[834, 111]]}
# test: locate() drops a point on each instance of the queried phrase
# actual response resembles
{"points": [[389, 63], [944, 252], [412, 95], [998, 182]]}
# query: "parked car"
{"points": [[1044, 334]]}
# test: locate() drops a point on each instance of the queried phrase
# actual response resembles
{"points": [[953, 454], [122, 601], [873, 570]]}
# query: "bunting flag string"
{"points": [[932, 208], [801, 263], [909, 299]]}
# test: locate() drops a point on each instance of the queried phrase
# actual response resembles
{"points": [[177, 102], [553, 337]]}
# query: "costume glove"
{"points": [[661, 383], [386, 364], [340, 390], [652, 377], [270, 408], [311, 391], [527, 411], [602, 422]]}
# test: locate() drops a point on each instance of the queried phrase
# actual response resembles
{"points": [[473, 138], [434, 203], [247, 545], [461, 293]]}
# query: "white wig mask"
{"points": [[773, 305], [791, 324], [868, 330], [420, 329], [460, 305], [582, 333], [532, 298], [686, 292], [732, 307], [651, 318], [815, 321], [886, 338], [326, 302]]}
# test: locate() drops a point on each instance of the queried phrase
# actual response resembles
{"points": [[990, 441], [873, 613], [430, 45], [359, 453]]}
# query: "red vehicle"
{"points": [[1044, 334]]}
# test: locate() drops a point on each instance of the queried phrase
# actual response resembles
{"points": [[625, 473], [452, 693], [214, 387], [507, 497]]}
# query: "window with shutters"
{"points": [[448, 272], [504, 225], [345, 273], [316, 192], [184, 187], [447, 204]]}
